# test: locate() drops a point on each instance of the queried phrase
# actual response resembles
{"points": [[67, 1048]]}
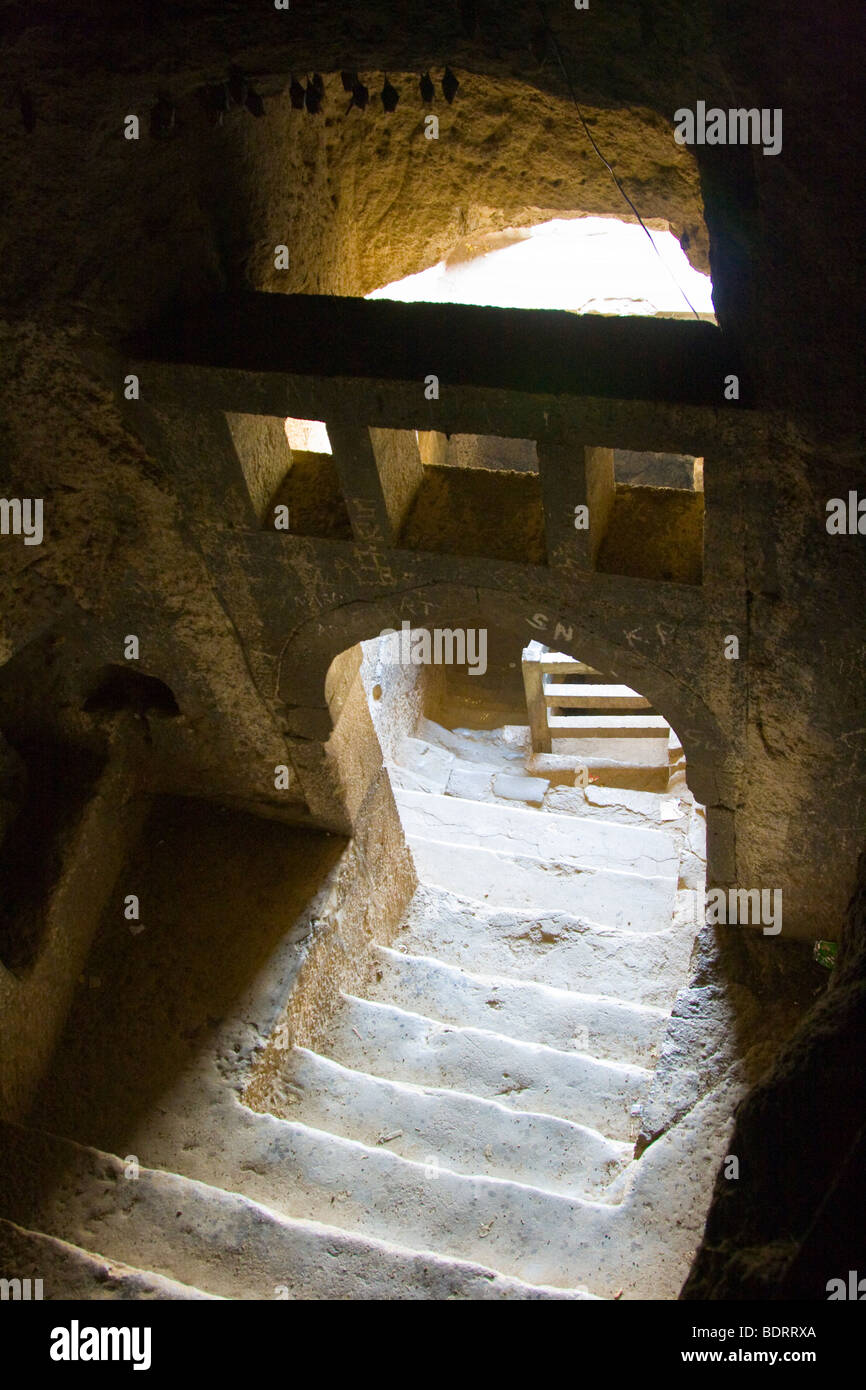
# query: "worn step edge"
{"points": [[488, 978], [570, 865], [426, 894], [631, 840], [637, 861], [415, 1121], [542, 1237], [586, 1090], [608, 1066], [69, 1271], [629, 1029], [463, 932], [290, 1248], [645, 901]]}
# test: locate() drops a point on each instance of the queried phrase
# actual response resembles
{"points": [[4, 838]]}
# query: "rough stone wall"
{"points": [[376, 877], [99, 235], [395, 694], [102, 234], [793, 1219], [35, 996]]}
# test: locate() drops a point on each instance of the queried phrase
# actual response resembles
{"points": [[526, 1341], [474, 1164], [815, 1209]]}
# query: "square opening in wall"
{"points": [[290, 475], [634, 469], [263, 454], [308, 500], [478, 495], [308, 436], [654, 522]]}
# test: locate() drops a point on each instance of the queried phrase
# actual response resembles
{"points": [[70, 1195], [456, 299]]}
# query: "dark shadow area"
{"points": [[311, 491], [124, 688], [654, 533], [794, 1220], [219, 890], [57, 782]]}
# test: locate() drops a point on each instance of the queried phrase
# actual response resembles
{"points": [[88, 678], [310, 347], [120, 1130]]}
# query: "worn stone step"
{"points": [[472, 781], [604, 897], [597, 697], [506, 747], [595, 802], [553, 948], [639, 1243], [651, 726], [402, 1046], [424, 760], [66, 1271], [403, 778], [540, 1237], [448, 1128], [521, 831], [604, 1027], [210, 1238]]}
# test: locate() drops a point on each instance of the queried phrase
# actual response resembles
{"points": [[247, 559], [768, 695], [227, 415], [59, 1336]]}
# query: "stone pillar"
{"points": [[400, 472], [536, 709], [600, 488], [563, 485], [573, 476], [358, 471]]}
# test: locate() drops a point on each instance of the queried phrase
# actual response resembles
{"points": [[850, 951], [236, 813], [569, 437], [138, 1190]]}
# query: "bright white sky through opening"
{"points": [[588, 265]]}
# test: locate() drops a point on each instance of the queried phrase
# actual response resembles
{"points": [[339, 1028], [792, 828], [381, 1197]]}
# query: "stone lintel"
{"points": [[543, 352], [400, 405]]}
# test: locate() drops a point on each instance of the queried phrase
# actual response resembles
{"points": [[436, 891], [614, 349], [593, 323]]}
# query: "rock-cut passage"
{"points": [[477, 1096], [463, 1121]]}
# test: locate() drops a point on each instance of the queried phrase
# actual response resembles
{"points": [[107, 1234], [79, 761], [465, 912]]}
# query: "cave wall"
{"points": [[793, 1218], [37, 988], [102, 234], [99, 236]]}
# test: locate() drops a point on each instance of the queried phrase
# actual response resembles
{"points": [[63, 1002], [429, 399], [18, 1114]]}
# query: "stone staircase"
{"points": [[217, 1242], [465, 1127], [613, 728], [490, 1075]]}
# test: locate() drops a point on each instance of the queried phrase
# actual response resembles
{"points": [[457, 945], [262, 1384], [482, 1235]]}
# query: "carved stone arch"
{"points": [[311, 648]]}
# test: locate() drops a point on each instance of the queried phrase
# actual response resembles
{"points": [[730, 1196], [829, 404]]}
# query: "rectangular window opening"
{"points": [[653, 525], [308, 499], [478, 495]]}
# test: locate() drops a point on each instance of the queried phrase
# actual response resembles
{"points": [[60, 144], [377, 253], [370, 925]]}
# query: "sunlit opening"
{"points": [[587, 265], [308, 436]]}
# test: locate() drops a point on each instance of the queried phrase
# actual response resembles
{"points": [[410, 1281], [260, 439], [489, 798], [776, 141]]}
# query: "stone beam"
{"points": [[544, 352], [398, 458], [400, 405], [380, 472]]}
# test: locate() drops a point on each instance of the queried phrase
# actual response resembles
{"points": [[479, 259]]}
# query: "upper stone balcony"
{"points": [[393, 381]]}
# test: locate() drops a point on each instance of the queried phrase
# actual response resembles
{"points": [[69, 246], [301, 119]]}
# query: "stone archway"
{"points": [[308, 653]]}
